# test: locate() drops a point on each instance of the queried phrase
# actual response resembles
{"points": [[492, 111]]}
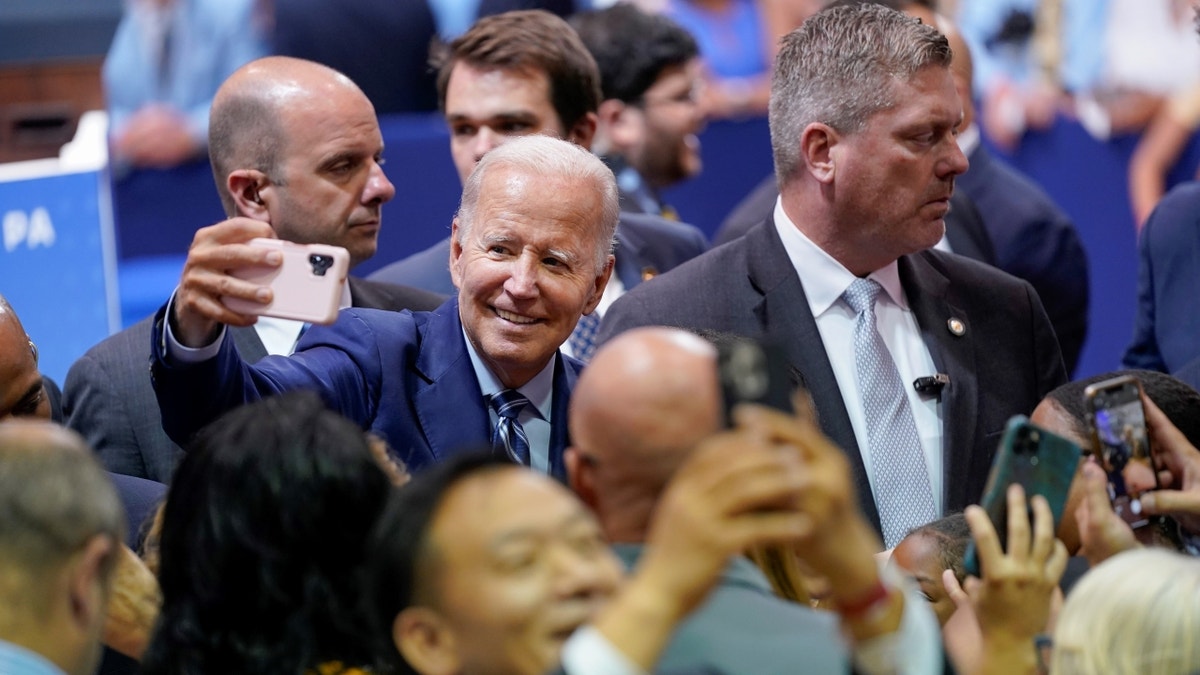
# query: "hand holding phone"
{"points": [[1042, 463], [1117, 422], [307, 286]]}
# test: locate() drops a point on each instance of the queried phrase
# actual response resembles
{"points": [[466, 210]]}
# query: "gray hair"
{"points": [[839, 68], [54, 497], [547, 157]]}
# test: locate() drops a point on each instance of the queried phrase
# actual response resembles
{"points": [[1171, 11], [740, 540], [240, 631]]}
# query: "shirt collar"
{"points": [[539, 390], [17, 659], [825, 279]]}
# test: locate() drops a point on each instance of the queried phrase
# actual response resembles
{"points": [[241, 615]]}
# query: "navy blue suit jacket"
{"points": [[1002, 365], [405, 376], [1166, 331], [1035, 241], [646, 246]]}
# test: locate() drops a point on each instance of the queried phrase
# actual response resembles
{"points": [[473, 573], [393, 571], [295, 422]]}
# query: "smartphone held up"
{"points": [[307, 286]]}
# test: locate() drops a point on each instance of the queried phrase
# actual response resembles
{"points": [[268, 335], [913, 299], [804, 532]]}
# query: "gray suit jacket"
{"points": [[109, 399], [743, 627], [1004, 363]]}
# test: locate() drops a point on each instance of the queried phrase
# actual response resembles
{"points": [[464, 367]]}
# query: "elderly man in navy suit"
{"points": [[523, 73], [531, 251], [915, 358]]}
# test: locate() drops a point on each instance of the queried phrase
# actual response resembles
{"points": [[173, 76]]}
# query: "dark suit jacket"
{"points": [[110, 401], [383, 45], [646, 246], [1034, 241], [1166, 331], [139, 497], [406, 376], [1003, 365], [964, 224]]}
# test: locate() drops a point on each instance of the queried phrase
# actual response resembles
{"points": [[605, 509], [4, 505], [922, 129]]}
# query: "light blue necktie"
{"points": [[510, 435], [898, 474]]}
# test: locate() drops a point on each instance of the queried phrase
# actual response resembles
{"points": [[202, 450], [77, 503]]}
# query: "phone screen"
{"points": [[1122, 444]]}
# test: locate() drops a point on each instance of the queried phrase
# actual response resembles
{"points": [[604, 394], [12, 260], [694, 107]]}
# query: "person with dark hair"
{"points": [[263, 537], [294, 146], [522, 73], [478, 566], [650, 81], [929, 550], [1064, 412], [864, 117]]}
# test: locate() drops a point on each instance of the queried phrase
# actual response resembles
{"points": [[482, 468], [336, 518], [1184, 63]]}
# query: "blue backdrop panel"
{"points": [[57, 263]]}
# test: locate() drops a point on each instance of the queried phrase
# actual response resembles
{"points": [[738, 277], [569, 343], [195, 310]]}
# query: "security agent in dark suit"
{"points": [[866, 165], [523, 73], [305, 163]]}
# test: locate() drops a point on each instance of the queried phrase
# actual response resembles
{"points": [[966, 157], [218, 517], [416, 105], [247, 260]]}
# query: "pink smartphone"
{"points": [[307, 286]]}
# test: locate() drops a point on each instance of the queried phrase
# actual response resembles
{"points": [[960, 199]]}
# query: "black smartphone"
{"points": [[753, 371], [1041, 462], [1117, 422]]}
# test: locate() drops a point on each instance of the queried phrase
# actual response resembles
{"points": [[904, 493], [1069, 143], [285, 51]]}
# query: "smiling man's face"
{"points": [[526, 268]]}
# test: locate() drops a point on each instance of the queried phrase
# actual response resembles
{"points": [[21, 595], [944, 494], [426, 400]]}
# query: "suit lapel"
{"points": [[564, 381], [248, 344], [784, 315], [447, 398], [928, 293]]}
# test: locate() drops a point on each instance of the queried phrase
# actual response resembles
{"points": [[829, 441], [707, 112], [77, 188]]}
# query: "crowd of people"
{"points": [[520, 451]]}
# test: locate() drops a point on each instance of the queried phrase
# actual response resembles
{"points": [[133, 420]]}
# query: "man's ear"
{"points": [[621, 124], [597, 290], [88, 579], [584, 131], [251, 191], [425, 641], [818, 150], [579, 476], [456, 251]]}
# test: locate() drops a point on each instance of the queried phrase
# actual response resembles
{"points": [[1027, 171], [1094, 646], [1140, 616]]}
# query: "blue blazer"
{"points": [[1166, 331], [647, 245], [405, 376]]}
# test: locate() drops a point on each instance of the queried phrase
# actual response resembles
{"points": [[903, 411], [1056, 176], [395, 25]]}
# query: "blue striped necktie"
{"points": [[510, 435]]}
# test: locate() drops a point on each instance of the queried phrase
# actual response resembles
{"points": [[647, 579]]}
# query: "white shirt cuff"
{"points": [[916, 646], [588, 652], [176, 352]]}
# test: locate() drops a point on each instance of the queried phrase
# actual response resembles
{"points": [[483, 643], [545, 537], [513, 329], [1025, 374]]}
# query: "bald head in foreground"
{"points": [[641, 411], [61, 528]]}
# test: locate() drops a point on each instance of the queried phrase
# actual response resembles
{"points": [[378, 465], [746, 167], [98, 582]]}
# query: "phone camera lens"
{"points": [[320, 263]]}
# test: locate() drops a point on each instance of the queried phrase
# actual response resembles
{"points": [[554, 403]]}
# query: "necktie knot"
{"points": [[861, 295], [509, 403]]}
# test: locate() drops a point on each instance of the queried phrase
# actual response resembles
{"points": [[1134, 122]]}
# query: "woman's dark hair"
{"points": [[263, 539], [1178, 401]]}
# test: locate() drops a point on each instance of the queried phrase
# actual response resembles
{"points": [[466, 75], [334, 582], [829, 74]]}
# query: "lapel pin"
{"points": [[956, 326], [649, 273]]}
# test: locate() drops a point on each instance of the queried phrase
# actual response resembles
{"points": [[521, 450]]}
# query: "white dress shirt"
{"points": [[825, 280]]}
